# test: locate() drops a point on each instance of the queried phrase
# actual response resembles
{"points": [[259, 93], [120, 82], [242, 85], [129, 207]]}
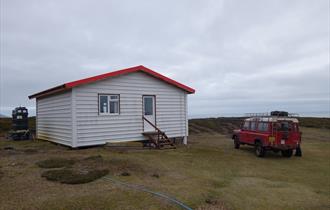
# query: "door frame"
{"points": [[154, 96]]}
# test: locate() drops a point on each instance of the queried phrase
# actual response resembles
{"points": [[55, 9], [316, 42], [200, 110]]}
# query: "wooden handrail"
{"points": [[151, 124], [160, 134]]}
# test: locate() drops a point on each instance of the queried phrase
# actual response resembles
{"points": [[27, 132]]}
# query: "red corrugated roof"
{"points": [[141, 68]]}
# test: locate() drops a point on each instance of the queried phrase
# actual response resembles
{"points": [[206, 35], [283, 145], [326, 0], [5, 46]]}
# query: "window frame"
{"points": [[108, 95]]}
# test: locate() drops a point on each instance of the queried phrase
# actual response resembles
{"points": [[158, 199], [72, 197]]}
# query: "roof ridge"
{"points": [[87, 80]]}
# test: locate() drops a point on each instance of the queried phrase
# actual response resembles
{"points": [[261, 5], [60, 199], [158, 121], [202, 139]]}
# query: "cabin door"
{"points": [[149, 112]]}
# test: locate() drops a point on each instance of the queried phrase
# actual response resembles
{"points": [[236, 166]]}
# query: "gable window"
{"points": [[108, 104]]}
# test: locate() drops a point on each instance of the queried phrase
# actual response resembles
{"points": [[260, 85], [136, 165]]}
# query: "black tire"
{"points": [[26, 136], [236, 142], [15, 137], [298, 152], [287, 153], [260, 151]]}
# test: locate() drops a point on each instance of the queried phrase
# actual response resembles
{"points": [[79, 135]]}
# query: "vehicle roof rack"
{"points": [[293, 115], [266, 114]]}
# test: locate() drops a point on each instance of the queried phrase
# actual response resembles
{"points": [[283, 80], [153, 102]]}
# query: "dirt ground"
{"points": [[206, 174]]}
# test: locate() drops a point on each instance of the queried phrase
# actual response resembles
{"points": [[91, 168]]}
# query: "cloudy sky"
{"points": [[240, 56]]}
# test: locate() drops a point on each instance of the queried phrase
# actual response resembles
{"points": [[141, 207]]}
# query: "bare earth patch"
{"points": [[72, 176], [74, 171]]}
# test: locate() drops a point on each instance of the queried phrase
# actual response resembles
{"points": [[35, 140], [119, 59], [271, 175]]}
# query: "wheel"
{"points": [[15, 136], [259, 149], [236, 142], [26, 136], [298, 152], [287, 153]]}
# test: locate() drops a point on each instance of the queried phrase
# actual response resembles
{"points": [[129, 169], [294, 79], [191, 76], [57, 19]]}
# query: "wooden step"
{"points": [[157, 138]]}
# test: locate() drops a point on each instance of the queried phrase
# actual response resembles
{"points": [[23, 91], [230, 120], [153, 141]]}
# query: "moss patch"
{"points": [[55, 163], [71, 176], [74, 171]]}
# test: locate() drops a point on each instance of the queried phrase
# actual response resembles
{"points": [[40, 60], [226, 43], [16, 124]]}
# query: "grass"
{"points": [[314, 122], [55, 163], [223, 125], [207, 174]]}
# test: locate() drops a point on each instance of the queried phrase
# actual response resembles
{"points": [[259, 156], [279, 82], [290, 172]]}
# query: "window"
{"points": [[108, 104], [114, 104], [283, 126], [253, 126], [246, 125], [103, 101], [148, 106], [262, 126]]}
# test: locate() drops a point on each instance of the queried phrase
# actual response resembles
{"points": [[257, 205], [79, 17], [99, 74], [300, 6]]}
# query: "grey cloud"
{"points": [[241, 56]]}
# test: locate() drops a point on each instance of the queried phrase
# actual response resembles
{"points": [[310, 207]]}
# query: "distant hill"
{"points": [[3, 116], [225, 125]]}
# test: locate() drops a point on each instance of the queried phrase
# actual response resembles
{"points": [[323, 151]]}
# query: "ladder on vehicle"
{"points": [[157, 139]]}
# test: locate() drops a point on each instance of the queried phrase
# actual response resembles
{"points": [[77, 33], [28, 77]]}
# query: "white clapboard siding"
{"points": [[93, 128], [54, 118]]}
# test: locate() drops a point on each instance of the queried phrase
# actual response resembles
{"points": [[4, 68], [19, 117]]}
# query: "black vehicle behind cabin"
{"points": [[20, 124]]}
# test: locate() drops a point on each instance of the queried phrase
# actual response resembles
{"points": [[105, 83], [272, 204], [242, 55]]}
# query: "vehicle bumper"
{"points": [[284, 146]]}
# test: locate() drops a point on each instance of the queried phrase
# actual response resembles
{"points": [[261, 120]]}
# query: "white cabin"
{"points": [[113, 107]]}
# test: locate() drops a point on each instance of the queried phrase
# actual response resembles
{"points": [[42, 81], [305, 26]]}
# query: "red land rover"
{"points": [[278, 131]]}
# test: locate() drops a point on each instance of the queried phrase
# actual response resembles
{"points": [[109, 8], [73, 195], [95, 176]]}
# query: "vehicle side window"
{"points": [[295, 127], [266, 126], [253, 126], [246, 125], [262, 126], [283, 126]]}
